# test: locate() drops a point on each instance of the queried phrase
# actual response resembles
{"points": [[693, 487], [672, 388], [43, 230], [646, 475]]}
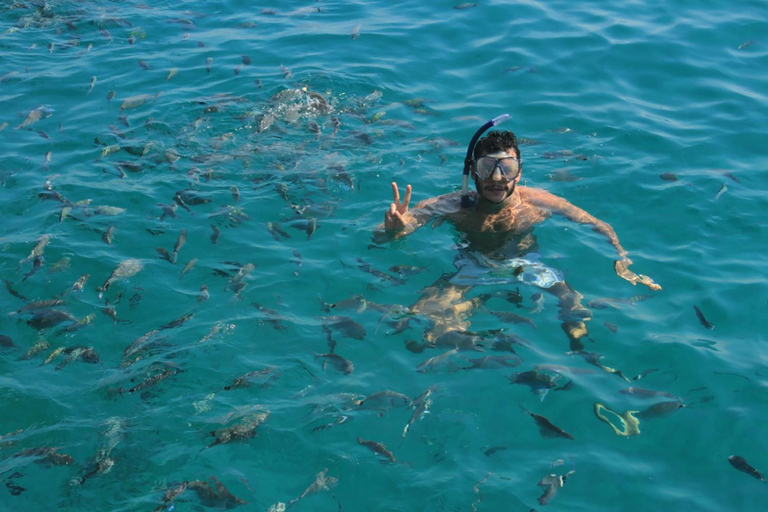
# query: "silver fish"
{"points": [[124, 270]]}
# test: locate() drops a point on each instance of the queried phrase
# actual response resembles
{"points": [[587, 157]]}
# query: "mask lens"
{"points": [[510, 167]]}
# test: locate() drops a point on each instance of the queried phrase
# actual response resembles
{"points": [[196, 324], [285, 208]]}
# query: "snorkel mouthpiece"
{"points": [[465, 202]]}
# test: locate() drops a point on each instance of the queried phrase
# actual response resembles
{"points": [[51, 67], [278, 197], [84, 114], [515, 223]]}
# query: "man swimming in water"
{"points": [[497, 224]]}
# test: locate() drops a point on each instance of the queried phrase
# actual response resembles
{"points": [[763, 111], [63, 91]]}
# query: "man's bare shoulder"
{"points": [[441, 204], [539, 197]]}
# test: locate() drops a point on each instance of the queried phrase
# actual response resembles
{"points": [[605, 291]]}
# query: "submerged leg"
{"points": [[572, 313]]}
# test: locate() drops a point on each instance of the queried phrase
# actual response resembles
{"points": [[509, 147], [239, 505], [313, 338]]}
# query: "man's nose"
{"points": [[497, 176]]}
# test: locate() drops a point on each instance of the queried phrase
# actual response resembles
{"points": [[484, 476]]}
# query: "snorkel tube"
{"points": [[465, 202]]}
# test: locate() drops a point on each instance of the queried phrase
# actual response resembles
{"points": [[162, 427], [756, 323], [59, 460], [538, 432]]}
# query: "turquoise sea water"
{"points": [[650, 115]]}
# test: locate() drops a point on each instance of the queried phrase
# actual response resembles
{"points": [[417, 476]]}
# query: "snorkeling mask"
{"points": [[465, 202]]}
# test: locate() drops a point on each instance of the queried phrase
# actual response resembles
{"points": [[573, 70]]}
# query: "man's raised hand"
{"points": [[394, 218]]}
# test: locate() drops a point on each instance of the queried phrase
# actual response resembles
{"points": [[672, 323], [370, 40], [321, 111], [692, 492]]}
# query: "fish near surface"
{"points": [[443, 362], [321, 483], [660, 410], [377, 448], [382, 400], [742, 465], [553, 483], [124, 270], [45, 318], [339, 363], [546, 427], [345, 326]]}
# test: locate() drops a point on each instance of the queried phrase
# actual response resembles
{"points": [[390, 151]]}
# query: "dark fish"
{"points": [[493, 449], [345, 326], [605, 302], [540, 382], [644, 393], [611, 327], [264, 376], [701, 318], [547, 428], [164, 254], [339, 363], [660, 410], [366, 267], [377, 448], [215, 235], [492, 362], [668, 176], [38, 304], [645, 373], [460, 340], [45, 318], [151, 381], [739, 463], [465, 5], [177, 322], [217, 496], [553, 483], [508, 317], [6, 341]]}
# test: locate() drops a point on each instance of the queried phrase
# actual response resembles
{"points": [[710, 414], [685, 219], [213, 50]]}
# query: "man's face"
{"points": [[497, 187]]}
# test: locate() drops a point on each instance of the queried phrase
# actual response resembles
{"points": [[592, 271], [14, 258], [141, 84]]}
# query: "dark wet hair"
{"points": [[496, 141]]}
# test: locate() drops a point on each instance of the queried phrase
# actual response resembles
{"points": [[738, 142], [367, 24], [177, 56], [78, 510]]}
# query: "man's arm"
{"points": [[560, 206]]}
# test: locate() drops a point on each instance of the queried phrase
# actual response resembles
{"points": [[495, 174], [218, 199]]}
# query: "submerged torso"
{"points": [[507, 233]]}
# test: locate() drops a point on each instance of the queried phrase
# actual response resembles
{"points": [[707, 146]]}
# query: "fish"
{"points": [[339, 363], [421, 405], [366, 267], [645, 373], [171, 73], [180, 241], [38, 304], [605, 302], [91, 85], [703, 321], [465, 5], [38, 249], [215, 235], [546, 427], [203, 295], [553, 483], [86, 354], [176, 322], [124, 270], [356, 31], [742, 465], [321, 483], [377, 448], [39, 346], [540, 382], [245, 429], [53, 355], [382, 400], [46, 318], [668, 176], [110, 95], [189, 266], [721, 191], [277, 231], [461, 340], [266, 376], [746, 44], [510, 317], [86, 320], [442, 362], [345, 326], [137, 101], [208, 63], [644, 393], [106, 236], [659, 410], [35, 115], [214, 497], [492, 362], [154, 379]]}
